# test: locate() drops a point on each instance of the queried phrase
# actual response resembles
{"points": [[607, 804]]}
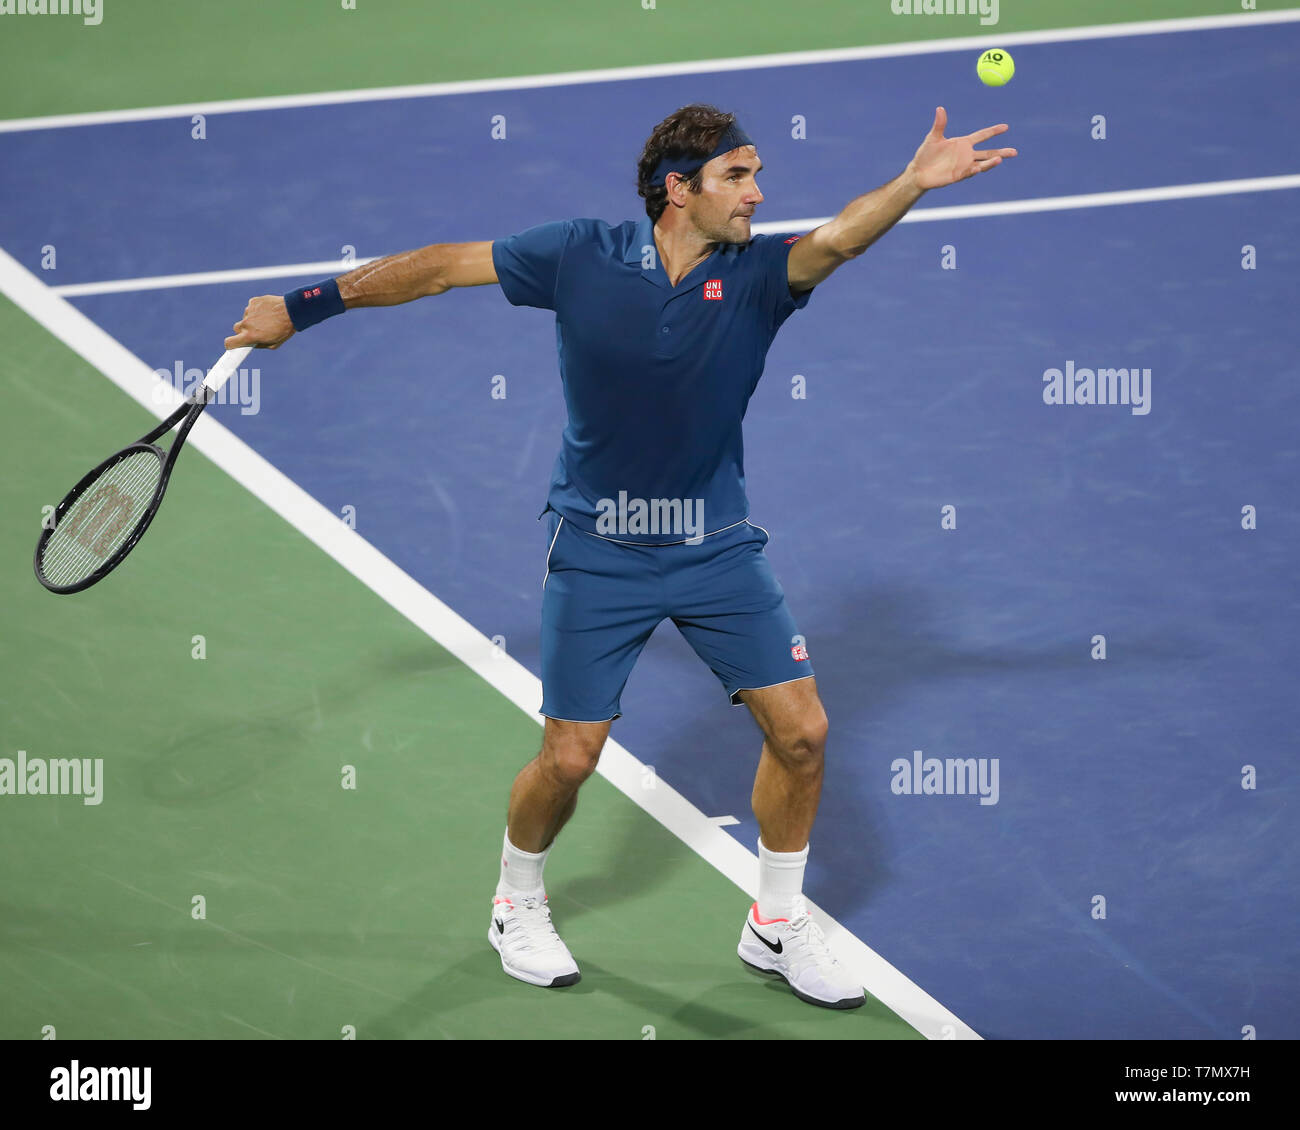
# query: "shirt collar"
{"points": [[643, 235]]}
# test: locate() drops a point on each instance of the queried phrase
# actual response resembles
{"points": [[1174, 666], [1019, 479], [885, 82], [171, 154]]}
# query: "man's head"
{"points": [[716, 198]]}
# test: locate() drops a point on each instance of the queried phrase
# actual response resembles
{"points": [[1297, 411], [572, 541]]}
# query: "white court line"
{"points": [[918, 215], [452, 632], [1060, 203], [658, 70]]}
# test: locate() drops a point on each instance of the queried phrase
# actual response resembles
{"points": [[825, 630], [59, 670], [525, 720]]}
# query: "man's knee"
{"points": [[800, 744], [570, 763], [570, 753]]}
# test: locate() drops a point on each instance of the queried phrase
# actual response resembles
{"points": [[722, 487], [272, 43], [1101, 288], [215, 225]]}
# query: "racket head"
{"points": [[100, 519]]}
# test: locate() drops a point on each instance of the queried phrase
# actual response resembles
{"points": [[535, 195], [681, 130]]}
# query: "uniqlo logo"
{"points": [[793, 239], [799, 652], [713, 289], [313, 293]]}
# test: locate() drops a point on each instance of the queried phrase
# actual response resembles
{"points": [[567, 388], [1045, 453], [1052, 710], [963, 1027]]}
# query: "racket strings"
{"points": [[95, 526]]}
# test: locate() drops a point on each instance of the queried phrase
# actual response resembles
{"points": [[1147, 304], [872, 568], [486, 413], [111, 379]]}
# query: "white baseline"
{"points": [[658, 70]]}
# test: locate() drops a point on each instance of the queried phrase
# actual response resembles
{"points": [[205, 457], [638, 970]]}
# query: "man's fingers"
{"points": [[985, 154], [940, 122], [986, 133], [262, 326], [248, 339], [992, 159], [243, 335]]}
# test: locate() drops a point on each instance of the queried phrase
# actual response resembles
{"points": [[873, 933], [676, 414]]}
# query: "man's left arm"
{"points": [[938, 162]]}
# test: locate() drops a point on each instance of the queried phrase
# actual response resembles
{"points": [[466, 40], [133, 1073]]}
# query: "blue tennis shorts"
{"points": [[602, 599]]}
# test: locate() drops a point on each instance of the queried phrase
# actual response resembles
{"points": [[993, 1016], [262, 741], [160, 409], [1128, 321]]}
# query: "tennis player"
{"points": [[663, 326]]}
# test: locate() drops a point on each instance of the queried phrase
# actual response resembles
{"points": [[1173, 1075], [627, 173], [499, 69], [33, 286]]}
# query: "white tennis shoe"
{"points": [[530, 949], [795, 949]]}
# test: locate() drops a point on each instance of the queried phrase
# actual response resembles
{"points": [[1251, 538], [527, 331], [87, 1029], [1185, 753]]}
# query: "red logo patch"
{"points": [[799, 652], [713, 289], [794, 239]]}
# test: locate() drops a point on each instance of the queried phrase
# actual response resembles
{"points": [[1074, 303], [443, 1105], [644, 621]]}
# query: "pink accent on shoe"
{"points": [[765, 921]]}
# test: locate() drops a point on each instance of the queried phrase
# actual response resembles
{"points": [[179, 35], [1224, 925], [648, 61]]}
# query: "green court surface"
{"points": [[153, 53], [326, 907]]}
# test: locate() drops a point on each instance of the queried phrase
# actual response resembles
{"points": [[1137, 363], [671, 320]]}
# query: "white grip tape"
{"points": [[224, 369]]}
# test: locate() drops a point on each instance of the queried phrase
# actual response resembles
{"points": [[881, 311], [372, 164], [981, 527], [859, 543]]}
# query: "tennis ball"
{"points": [[995, 67]]}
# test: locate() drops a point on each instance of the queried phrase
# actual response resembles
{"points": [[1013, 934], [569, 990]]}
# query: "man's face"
{"points": [[728, 195]]}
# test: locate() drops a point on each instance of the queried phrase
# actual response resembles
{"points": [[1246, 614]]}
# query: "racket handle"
{"points": [[224, 369]]}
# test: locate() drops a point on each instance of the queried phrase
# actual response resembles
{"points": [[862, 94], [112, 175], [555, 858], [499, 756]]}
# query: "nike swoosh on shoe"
{"points": [[775, 947]]}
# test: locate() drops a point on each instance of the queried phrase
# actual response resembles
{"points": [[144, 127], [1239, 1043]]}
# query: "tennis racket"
{"points": [[106, 514]]}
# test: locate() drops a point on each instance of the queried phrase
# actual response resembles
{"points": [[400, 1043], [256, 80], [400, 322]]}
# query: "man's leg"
{"points": [[779, 936], [788, 784], [600, 603], [545, 792], [787, 788], [730, 607], [544, 796]]}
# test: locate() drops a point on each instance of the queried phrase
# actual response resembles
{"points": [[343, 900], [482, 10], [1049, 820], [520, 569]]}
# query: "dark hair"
{"points": [[690, 132]]}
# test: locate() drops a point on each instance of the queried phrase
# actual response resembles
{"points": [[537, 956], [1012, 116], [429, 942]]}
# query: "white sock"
{"points": [[780, 881], [521, 871]]}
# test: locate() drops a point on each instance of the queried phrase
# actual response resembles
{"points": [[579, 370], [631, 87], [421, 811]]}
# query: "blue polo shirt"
{"points": [[656, 378]]}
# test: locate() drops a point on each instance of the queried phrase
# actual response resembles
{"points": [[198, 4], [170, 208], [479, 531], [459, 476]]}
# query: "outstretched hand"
{"points": [[945, 160]]}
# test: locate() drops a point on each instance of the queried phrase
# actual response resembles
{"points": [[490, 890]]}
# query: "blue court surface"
{"points": [[1118, 777]]}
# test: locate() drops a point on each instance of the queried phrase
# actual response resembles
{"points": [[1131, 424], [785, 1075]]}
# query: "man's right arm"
{"points": [[385, 282]]}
